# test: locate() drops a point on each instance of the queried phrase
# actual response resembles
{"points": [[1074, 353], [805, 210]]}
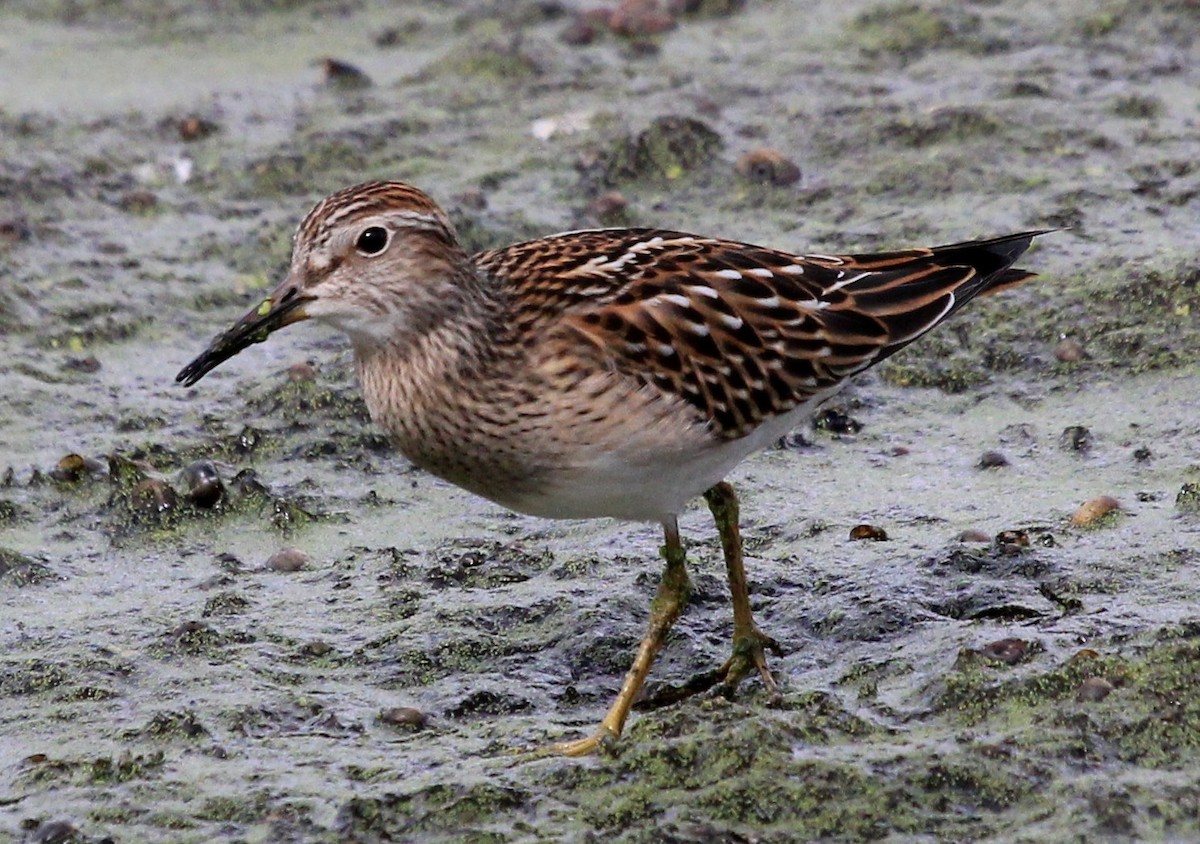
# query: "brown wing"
{"points": [[554, 275], [740, 332]]}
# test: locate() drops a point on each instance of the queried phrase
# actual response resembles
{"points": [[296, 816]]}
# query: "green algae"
{"points": [[31, 677], [666, 151], [435, 811], [490, 63], [101, 770], [1136, 318], [908, 30], [753, 772]]}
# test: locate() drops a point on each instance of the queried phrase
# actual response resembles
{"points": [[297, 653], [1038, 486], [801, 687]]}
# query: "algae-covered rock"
{"points": [[669, 149]]}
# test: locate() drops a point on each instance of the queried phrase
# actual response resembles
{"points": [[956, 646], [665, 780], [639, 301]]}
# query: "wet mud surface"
{"points": [[231, 613]]}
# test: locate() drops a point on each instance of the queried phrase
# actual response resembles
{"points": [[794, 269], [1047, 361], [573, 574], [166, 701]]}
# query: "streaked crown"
{"points": [[408, 206]]}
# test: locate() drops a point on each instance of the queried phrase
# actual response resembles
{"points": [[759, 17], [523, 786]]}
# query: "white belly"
{"points": [[653, 485]]}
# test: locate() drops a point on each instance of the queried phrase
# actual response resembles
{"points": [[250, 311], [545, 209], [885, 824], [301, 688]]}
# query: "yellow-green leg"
{"points": [[749, 643], [668, 604]]}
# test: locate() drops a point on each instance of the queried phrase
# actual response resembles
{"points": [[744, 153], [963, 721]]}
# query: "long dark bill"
{"points": [[283, 307]]}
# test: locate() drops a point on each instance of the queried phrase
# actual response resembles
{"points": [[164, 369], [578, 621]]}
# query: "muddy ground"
{"points": [[160, 682]]}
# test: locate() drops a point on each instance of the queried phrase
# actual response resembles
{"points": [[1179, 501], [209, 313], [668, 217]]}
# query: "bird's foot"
{"points": [[749, 654], [604, 739]]}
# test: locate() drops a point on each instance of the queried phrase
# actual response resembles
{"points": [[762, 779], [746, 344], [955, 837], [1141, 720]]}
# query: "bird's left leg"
{"points": [[749, 643]]}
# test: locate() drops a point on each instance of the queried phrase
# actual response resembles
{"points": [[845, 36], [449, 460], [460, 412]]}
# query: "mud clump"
{"points": [[17, 569], [666, 151], [768, 167], [992, 460], [1187, 500], [344, 76], [907, 31]]}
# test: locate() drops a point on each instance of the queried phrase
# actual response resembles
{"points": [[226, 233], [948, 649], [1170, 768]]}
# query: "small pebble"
{"points": [[86, 365], [288, 560], [14, 230], [193, 128], [608, 207], [706, 106], [153, 497], [1075, 438], [75, 467], [389, 37], [1141, 454], [767, 167], [1013, 537], [304, 372], [578, 32], [836, 422], [54, 832], [1094, 509], [137, 201], [404, 716], [1093, 689], [1069, 351], [340, 74], [247, 441], [203, 483], [1009, 651], [395, 36], [794, 439], [973, 535], [992, 460], [635, 18], [876, 534], [246, 483]]}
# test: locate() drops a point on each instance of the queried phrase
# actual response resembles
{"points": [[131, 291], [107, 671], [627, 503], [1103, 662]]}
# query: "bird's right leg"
{"points": [[669, 601]]}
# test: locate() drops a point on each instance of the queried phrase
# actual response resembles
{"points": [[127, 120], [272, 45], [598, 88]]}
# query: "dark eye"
{"points": [[372, 241]]}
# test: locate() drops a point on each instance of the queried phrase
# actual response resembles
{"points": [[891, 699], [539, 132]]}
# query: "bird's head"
{"points": [[379, 261]]}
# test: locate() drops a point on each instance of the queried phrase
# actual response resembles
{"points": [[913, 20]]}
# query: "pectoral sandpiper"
{"points": [[605, 373]]}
